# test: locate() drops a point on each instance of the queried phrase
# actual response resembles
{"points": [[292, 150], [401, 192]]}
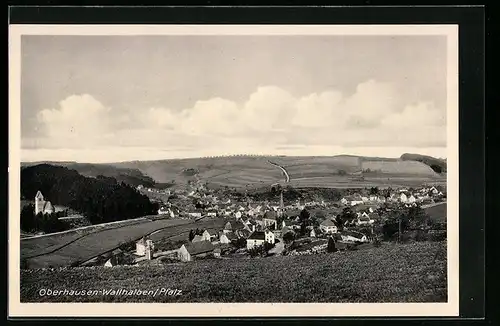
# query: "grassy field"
{"points": [[391, 273], [254, 171], [63, 251]]}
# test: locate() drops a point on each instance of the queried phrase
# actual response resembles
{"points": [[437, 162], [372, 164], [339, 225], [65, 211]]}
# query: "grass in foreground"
{"points": [[391, 273]]}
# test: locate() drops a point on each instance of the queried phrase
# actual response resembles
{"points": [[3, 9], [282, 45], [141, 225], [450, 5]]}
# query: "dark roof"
{"points": [[327, 222], [257, 235], [270, 215], [196, 248], [231, 236]]}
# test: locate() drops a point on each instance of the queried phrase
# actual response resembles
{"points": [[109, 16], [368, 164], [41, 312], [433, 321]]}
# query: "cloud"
{"points": [[271, 118]]}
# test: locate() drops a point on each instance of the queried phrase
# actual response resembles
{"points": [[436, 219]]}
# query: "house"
{"points": [[312, 233], [344, 201], [140, 247], [114, 260], [258, 238], [227, 238], [163, 211], [352, 236], [195, 214], [328, 226], [237, 215], [190, 251], [363, 220], [364, 199], [434, 190], [198, 238], [270, 220], [411, 199], [42, 206], [403, 198], [212, 214]]}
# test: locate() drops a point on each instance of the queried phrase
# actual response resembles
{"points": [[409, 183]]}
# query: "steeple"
{"points": [[282, 205]]}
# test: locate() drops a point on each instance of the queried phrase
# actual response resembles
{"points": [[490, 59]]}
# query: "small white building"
{"points": [[351, 236], [328, 226]]}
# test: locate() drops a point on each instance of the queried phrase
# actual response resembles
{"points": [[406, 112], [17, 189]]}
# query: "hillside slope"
{"points": [[436, 164], [100, 199], [133, 177], [392, 273]]}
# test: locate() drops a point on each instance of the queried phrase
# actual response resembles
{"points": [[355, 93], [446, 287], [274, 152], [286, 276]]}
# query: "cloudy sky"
{"points": [[117, 98]]}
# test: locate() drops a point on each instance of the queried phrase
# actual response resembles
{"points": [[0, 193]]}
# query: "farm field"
{"points": [[251, 171], [351, 182], [83, 248], [43, 244], [414, 272]]}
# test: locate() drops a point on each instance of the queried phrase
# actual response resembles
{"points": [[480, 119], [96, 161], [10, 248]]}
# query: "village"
{"points": [[244, 228]]}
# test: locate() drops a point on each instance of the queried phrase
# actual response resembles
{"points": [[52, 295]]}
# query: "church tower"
{"points": [[39, 202], [282, 205]]}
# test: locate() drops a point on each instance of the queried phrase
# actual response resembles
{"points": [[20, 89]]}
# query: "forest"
{"points": [[101, 199]]}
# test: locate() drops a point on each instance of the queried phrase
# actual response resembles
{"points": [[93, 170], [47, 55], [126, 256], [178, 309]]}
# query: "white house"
{"points": [[195, 214], [352, 236], [327, 226], [227, 238], [403, 198], [411, 199], [258, 238], [237, 215], [140, 247], [212, 214], [344, 201], [189, 251]]}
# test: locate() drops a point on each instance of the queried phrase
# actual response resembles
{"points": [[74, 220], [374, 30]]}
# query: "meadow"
{"points": [[414, 272], [73, 249], [255, 171]]}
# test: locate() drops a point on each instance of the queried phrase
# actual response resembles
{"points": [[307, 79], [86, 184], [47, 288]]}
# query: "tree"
{"points": [[28, 218], [339, 222], [347, 214], [374, 191], [191, 235], [331, 245], [304, 220], [288, 237]]}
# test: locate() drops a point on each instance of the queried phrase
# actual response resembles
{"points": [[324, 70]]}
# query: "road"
{"points": [[287, 177]]}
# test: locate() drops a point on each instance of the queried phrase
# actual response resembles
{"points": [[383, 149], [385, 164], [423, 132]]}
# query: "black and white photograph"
{"points": [[266, 170]]}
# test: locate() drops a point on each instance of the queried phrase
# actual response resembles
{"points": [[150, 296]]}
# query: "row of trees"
{"points": [[100, 199]]}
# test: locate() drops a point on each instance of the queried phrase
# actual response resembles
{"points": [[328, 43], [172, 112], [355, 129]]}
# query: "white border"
{"points": [[17, 309]]}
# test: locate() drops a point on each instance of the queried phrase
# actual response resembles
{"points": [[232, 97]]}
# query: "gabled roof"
{"points": [[48, 206], [270, 215], [327, 222], [39, 195], [285, 230], [196, 248], [257, 235], [197, 238]]}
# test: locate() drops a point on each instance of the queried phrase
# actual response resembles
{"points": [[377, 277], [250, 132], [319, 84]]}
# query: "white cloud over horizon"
{"points": [[270, 121]]}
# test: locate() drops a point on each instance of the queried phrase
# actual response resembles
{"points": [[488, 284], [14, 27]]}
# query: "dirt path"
{"points": [[287, 177]]}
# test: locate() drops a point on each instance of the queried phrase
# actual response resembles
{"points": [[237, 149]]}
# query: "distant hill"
{"points": [[133, 177], [101, 199], [436, 164], [240, 171]]}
